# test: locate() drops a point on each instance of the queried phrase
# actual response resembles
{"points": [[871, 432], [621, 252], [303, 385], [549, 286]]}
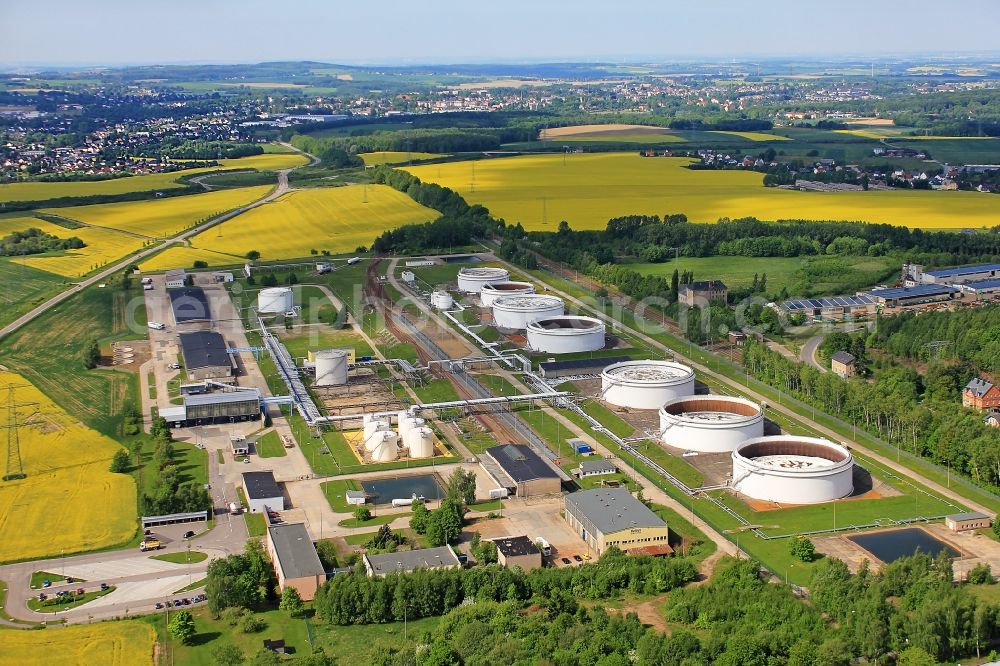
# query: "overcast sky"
{"points": [[414, 31]]}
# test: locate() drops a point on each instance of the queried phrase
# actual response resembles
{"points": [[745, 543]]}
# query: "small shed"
{"points": [[356, 497], [961, 522]]}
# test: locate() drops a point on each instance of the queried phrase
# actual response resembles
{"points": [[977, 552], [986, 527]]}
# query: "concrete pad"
{"points": [[143, 590], [134, 566]]}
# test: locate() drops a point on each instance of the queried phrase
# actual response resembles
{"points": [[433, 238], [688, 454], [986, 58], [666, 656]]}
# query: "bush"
{"points": [[362, 513], [251, 624], [120, 462], [981, 574], [199, 264], [803, 549]]}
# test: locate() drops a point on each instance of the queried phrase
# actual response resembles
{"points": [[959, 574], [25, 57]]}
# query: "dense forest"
{"points": [[36, 241], [973, 334]]}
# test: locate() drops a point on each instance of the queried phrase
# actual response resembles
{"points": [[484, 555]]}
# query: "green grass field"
{"points": [[270, 446], [24, 288], [335, 494], [183, 557], [397, 157], [588, 189]]}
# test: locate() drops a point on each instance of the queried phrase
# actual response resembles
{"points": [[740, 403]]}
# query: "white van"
{"points": [[156, 326]]}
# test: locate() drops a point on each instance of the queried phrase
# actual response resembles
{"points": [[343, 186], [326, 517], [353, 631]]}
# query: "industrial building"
{"points": [[205, 355], [710, 423], [295, 560], [518, 551], [972, 520], [516, 312], [175, 278], [981, 394], [903, 296], [262, 492], [579, 366], [702, 292], [189, 305], [954, 275], [206, 408], [833, 308], [842, 364], [567, 334], [519, 469], [492, 291], [792, 470], [406, 561], [471, 280], [606, 517], [982, 290], [646, 384]]}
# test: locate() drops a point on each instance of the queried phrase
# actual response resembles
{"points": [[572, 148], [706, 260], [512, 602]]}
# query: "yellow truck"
{"points": [[149, 544]]}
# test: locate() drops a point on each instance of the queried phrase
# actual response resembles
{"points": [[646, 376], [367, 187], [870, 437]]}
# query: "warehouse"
{"points": [[295, 560], [231, 407], [406, 561], [983, 289], [960, 274], [205, 355], [606, 517], [175, 279], [519, 469], [904, 296], [262, 492], [518, 551], [189, 305], [833, 308]]}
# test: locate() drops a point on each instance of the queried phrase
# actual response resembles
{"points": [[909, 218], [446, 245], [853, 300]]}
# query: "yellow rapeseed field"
{"points": [[128, 643], [69, 501], [538, 191], [158, 218], [336, 219], [160, 181], [395, 157], [103, 246]]}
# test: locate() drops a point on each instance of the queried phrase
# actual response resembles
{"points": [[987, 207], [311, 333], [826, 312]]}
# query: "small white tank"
{"points": [[420, 441], [442, 300], [331, 367], [275, 300], [373, 431]]}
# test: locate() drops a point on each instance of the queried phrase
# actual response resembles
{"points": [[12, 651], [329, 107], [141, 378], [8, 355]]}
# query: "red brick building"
{"points": [[981, 394]]}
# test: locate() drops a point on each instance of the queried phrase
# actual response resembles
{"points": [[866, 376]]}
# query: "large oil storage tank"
{"points": [[386, 450], [516, 312], [792, 470], [331, 367], [646, 384], [275, 300], [493, 291], [379, 438], [441, 300], [567, 334], [471, 280], [420, 442], [710, 423]]}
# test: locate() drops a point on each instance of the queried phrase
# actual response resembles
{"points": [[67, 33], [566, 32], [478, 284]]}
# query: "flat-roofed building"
{"points": [[972, 520], [922, 293], [518, 551], [832, 308], [175, 278], [578, 366], [295, 560], [606, 517], [230, 407], [205, 355], [961, 274], [522, 471], [595, 467], [189, 305], [262, 492], [406, 561]]}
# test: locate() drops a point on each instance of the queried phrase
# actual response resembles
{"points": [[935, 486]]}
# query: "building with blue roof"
{"points": [[982, 289], [922, 293], [961, 274]]}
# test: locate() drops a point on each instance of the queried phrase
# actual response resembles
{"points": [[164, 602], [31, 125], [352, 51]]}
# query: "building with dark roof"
{"points": [[702, 292], [522, 471], [189, 305], [832, 308], [922, 293], [981, 394], [982, 289], [295, 560], [205, 355], [842, 364], [606, 517], [201, 409], [518, 551], [406, 561], [961, 274], [262, 492]]}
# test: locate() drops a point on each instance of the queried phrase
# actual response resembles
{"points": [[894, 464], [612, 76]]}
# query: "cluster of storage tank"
{"points": [[382, 443]]}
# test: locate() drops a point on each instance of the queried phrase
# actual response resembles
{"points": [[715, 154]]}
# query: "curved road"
{"points": [[808, 353], [282, 188]]}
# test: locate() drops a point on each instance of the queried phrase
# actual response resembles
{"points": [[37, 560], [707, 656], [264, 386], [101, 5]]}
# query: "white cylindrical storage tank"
{"points": [[378, 433], [493, 291], [567, 334], [646, 384], [471, 280], [792, 470], [371, 424], [275, 300], [386, 450], [516, 312], [442, 300], [420, 441], [710, 423], [331, 367]]}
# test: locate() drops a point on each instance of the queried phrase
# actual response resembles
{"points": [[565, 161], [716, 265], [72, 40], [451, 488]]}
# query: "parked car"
{"points": [[70, 579], [159, 605], [565, 560], [147, 532], [46, 583], [79, 591], [246, 460], [104, 586], [578, 558], [189, 534]]}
